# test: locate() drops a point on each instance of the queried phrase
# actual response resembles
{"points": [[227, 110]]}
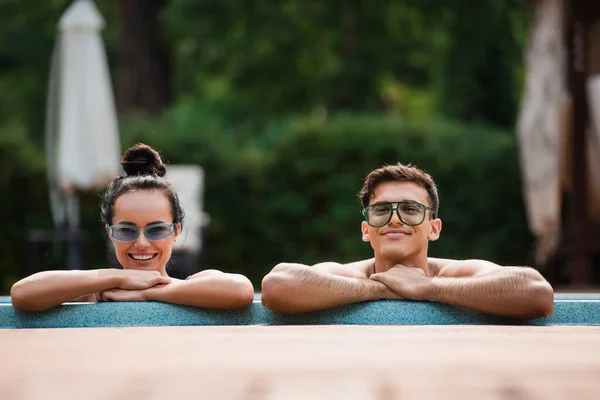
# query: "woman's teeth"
{"points": [[143, 257]]}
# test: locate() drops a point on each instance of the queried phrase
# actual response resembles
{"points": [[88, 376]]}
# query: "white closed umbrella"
{"points": [[82, 143], [540, 133]]}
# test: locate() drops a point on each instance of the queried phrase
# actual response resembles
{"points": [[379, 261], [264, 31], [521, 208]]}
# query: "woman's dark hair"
{"points": [[145, 171]]}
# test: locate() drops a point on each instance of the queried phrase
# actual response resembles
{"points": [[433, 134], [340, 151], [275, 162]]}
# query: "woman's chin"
{"points": [[143, 267], [147, 267]]}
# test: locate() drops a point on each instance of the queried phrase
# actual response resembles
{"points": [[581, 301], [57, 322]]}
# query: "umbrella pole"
{"points": [[73, 235]]}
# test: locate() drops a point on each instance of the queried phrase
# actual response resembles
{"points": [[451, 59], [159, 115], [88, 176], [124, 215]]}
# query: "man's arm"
{"points": [[297, 288], [357, 269], [519, 292], [210, 288]]}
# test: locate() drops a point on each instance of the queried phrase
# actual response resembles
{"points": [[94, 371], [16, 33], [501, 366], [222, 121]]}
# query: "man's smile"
{"points": [[395, 233]]}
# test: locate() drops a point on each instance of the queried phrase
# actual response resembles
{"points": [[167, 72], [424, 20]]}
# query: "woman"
{"points": [[143, 218]]}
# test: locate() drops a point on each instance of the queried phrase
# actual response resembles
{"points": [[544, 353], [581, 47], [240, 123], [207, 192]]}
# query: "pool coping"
{"points": [[577, 311]]}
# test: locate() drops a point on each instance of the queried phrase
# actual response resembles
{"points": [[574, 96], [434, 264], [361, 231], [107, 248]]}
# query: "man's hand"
{"points": [[409, 283], [140, 280], [123, 295], [382, 292]]}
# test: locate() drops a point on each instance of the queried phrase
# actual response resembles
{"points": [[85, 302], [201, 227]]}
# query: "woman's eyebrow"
{"points": [[396, 201], [132, 224]]}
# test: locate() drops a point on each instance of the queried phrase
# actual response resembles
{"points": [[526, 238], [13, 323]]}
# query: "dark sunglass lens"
{"points": [[412, 214], [125, 233], [158, 232], [379, 214]]}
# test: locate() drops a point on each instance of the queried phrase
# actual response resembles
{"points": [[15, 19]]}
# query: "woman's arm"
{"points": [[210, 288], [51, 288]]}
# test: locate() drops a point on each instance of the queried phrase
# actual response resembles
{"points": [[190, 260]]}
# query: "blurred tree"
{"points": [[26, 39], [290, 194], [143, 71], [267, 59], [251, 79], [343, 54], [480, 69]]}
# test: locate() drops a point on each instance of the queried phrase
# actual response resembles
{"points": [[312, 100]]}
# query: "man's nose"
{"points": [[395, 218]]}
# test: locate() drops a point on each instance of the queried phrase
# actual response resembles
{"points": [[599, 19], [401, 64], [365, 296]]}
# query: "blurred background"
{"points": [[285, 107]]}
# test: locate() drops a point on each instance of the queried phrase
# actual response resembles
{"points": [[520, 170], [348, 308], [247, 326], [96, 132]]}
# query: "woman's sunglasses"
{"points": [[129, 233]]}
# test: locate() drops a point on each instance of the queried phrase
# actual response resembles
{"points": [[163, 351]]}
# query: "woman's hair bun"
{"points": [[141, 159]]}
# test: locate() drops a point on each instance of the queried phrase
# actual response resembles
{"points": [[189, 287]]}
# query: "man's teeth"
{"points": [[143, 257]]}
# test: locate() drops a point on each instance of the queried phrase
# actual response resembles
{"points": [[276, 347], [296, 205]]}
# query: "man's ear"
{"points": [[107, 231], [436, 229], [364, 227], [177, 230]]}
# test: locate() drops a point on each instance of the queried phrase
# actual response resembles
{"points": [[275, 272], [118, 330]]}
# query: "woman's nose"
{"points": [[141, 241]]}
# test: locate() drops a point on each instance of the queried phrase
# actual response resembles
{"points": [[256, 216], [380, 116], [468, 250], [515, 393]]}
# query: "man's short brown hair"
{"points": [[400, 173]]}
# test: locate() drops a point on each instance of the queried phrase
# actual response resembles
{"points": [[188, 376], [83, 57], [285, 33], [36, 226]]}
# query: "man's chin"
{"points": [[394, 256]]}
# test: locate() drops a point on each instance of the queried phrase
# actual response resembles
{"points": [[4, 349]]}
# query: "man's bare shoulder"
{"points": [[436, 264], [357, 269], [460, 268]]}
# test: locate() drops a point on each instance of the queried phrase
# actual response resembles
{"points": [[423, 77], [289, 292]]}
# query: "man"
{"points": [[401, 218]]}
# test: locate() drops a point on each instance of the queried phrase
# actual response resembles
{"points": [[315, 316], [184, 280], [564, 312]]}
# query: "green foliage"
{"points": [[460, 58], [23, 187], [343, 55], [264, 93], [479, 70], [27, 38], [289, 194]]}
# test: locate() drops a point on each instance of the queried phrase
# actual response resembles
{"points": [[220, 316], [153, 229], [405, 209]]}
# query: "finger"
{"points": [[396, 296], [158, 286], [113, 294], [160, 280], [106, 296], [390, 294]]}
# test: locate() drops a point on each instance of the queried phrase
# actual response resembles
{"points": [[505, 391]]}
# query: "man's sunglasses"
{"points": [[128, 233], [380, 214]]}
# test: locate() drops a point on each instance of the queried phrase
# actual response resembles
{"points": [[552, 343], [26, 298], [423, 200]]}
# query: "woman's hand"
{"points": [[123, 295], [140, 280]]}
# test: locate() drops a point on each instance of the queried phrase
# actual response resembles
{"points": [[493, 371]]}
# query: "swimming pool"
{"points": [[569, 309]]}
